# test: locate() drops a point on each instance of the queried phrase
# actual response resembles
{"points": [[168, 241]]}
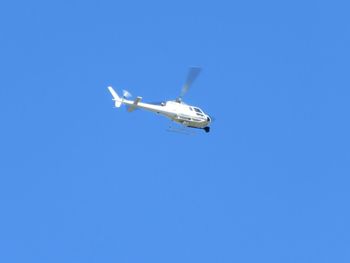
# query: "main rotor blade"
{"points": [[192, 75]]}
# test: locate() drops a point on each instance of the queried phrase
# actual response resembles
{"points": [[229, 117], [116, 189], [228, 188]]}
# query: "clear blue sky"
{"points": [[83, 182]]}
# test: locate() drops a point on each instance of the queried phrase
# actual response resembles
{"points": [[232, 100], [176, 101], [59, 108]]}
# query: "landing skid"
{"points": [[206, 129], [182, 130], [188, 130]]}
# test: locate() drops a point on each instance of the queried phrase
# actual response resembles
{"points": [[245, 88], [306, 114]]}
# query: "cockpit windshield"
{"points": [[198, 110]]}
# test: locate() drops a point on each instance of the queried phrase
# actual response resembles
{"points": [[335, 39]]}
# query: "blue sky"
{"points": [[83, 182]]}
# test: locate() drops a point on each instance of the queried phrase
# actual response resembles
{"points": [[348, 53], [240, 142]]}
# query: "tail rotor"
{"points": [[126, 94]]}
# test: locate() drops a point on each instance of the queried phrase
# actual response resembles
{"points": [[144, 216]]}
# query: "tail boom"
{"points": [[134, 104]]}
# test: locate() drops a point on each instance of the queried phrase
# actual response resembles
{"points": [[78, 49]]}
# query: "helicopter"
{"points": [[176, 110]]}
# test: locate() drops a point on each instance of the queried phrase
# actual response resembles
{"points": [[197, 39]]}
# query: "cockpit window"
{"points": [[197, 110]]}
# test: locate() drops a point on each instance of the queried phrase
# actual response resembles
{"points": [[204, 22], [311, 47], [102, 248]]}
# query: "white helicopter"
{"points": [[176, 110]]}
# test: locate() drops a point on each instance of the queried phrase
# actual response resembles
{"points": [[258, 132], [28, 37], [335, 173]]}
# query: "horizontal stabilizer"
{"points": [[133, 106]]}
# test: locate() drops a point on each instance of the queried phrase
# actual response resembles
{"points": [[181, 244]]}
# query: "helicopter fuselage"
{"points": [[179, 112]]}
